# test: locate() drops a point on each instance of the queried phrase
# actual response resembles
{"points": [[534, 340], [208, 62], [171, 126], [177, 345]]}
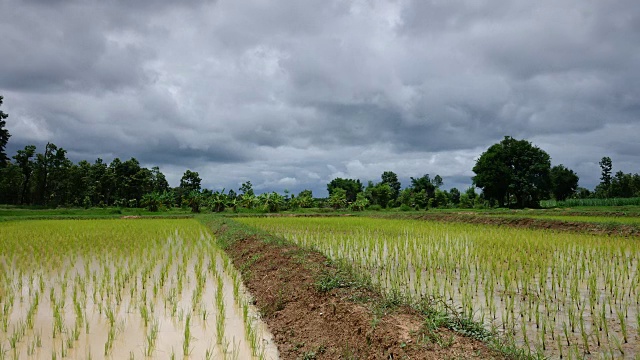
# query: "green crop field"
{"points": [[564, 295], [122, 289]]}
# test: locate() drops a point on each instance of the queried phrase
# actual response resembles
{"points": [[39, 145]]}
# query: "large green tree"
{"points": [[390, 178], [190, 181], [603, 190], [351, 187], [378, 194], [159, 182], [514, 173], [564, 182], [24, 159], [52, 175], [4, 138]]}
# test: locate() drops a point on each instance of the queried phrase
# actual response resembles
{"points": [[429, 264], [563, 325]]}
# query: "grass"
{"points": [[634, 201], [8, 212]]}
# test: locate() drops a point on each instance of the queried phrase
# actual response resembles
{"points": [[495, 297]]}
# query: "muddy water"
{"points": [[181, 300]]}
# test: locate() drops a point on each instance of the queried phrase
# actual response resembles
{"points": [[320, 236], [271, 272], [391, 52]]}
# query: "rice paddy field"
{"points": [[123, 289], [560, 295]]}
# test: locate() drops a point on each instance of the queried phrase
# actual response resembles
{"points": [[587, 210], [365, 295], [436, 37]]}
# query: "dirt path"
{"points": [[317, 312]]}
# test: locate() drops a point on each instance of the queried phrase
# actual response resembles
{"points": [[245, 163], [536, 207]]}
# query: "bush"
{"points": [[375, 207]]}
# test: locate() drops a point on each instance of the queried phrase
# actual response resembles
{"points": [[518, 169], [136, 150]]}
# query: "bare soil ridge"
{"points": [[531, 223]]}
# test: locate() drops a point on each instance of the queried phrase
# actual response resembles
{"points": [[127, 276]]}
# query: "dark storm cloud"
{"points": [[291, 94]]}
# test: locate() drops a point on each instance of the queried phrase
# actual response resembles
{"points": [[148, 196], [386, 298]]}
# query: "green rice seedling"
{"points": [[566, 284], [144, 314], [186, 349], [108, 277], [623, 325], [64, 350], [220, 328], [585, 336], [69, 341], [618, 345], [31, 349]]}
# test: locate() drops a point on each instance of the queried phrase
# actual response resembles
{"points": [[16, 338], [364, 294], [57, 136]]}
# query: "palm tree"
{"points": [[272, 202], [248, 200]]}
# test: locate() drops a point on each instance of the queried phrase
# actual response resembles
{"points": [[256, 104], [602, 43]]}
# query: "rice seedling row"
{"points": [[558, 294], [123, 289]]}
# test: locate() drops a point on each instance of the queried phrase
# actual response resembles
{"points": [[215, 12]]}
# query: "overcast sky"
{"points": [[291, 94]]}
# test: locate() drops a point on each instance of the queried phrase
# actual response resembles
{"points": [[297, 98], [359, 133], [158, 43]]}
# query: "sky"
{"points": [[292, 94]]}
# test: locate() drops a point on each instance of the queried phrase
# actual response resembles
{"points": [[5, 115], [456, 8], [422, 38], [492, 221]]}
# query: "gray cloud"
{"points": [[291, 94]]}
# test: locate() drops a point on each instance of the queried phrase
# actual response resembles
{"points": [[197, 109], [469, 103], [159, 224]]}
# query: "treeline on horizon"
{"points": [[512, 173]]}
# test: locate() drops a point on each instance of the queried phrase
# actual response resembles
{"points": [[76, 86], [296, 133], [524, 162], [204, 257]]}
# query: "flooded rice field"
{"points": [[123, 289], [558, 295]]}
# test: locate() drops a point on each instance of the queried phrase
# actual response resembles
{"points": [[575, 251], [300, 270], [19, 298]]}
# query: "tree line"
{"points": [[512, 173]]}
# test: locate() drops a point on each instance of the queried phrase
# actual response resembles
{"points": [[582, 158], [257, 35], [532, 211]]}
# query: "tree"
{"points": [[248, 200], [603, 190], [194, 199], [564, 182], [625, 185], [338, 198], [159, 182], [271, 202], [606, 165], [247, 189], [304, 199], [23, 160], [350, 186], [514, 172], [390, 178], [152, 201], [441, 199], [130, 181], [102, 180], [378, 194], [190, 181], [52, 175], [455, 196], [10, 184], [423, 190], [218, 201], [437, 181], [467, 199], [4, 138], [361, 202], [425, 183]]}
